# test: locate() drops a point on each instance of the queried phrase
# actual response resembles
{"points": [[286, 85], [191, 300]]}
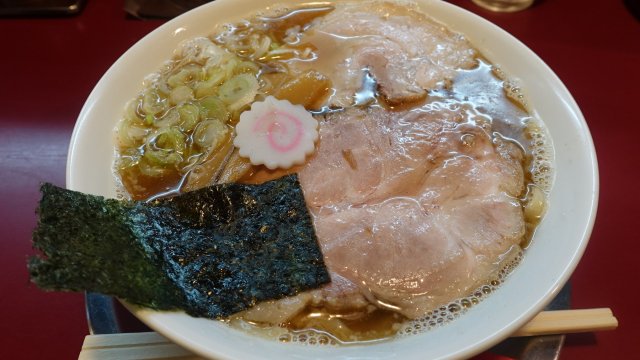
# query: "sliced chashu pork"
{"points": [[405, 51], [365, 156], [419, 211]]}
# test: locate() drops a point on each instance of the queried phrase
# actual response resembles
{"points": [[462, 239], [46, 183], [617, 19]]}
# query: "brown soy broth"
{"points": [[348, 326], [278, 25], [507, 114], [484, 90], [274, 26], [142, 187], [482, 87]]}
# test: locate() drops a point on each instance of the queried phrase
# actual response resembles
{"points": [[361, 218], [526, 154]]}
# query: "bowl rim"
{"points": [[80, 179]]}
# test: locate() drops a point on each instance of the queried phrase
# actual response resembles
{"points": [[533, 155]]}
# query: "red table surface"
{"points": [[49, 65]]}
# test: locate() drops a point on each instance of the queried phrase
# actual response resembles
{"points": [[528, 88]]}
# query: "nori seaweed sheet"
{"points": [[211, 252]]}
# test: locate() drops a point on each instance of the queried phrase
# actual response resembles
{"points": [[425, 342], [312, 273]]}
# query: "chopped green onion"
{"points": [[189, 115], [131, 111], [130, 134], [248, 67], [239, 91], [206, 88], [152, 103], [210, 134], [216, 75], [165, 147], [213, 108], [180, 95], [229, 66], [187, 74], [128, 157], [171, 118]]}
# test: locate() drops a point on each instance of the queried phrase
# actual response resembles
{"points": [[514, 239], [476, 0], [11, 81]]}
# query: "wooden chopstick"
{"points": [[151, 345], [569, 321], [125, 346]]}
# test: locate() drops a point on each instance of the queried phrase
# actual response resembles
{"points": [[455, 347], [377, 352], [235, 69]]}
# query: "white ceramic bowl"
{"points": [[555, 251]]}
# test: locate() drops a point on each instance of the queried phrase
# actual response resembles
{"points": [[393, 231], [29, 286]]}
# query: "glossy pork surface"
{"points": [[412, 209]]}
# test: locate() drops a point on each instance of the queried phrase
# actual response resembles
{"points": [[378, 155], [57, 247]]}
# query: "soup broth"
{"points": [[177, 136]]}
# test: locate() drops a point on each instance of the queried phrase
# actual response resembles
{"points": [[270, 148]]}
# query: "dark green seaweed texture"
{"points": [[89, 244], [211, 252]]}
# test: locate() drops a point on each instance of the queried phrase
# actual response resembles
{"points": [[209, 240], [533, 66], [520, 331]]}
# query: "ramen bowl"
{"points": [[548, 262]]}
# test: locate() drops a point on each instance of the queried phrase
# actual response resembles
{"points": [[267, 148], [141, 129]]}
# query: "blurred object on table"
{"points": [[634, 7], [15, 8], [504, 5], [160, 9]]}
